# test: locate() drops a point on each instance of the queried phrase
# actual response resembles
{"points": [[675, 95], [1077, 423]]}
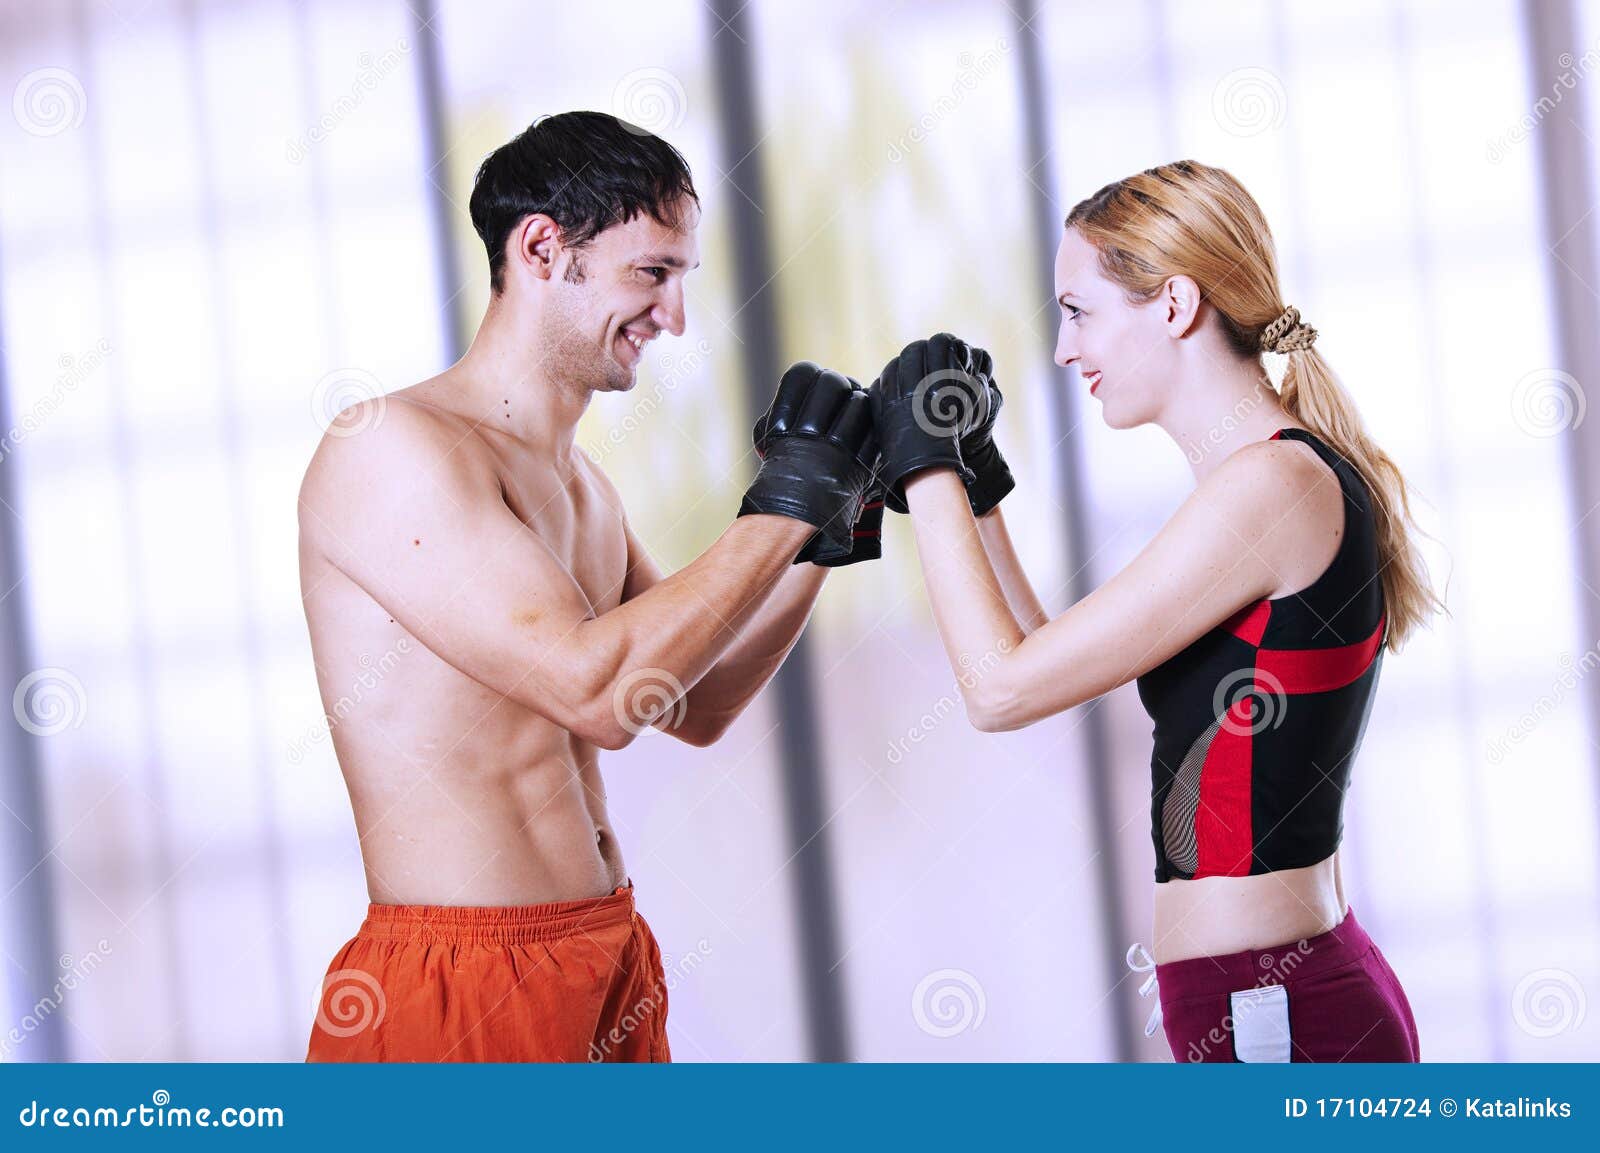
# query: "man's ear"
{"points": [[538, 245], [1180, 298]]}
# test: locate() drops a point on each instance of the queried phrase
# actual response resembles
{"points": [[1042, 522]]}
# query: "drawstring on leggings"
{"points": [[1146, 965]]}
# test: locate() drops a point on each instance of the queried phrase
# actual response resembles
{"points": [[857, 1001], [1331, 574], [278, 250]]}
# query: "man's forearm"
{"points": [[746, 667], [678, 629]]}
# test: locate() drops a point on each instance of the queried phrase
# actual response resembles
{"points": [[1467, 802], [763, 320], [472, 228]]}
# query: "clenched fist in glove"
{"points": [[991, 476], [818, 450], [925, 403]]}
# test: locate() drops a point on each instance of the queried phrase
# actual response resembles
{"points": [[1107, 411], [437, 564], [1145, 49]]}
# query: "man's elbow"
{"points": [[603, 729], [600, 715], [701, 727], [612, 719], [613, 735], [699, 736], [604, 708]]}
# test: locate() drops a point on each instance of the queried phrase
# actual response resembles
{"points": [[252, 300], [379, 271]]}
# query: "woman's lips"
{"points": [[1093, 379]]}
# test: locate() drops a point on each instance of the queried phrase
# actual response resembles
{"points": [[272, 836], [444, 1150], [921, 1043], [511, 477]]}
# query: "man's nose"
{"points": [[668, 314]]}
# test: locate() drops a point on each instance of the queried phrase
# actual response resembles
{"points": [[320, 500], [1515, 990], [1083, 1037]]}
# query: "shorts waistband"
{"points": [[503, 924], [1279, 965]]}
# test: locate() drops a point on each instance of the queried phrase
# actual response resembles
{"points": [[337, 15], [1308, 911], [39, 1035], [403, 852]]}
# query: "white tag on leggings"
{"points": [[1261, 1023]]}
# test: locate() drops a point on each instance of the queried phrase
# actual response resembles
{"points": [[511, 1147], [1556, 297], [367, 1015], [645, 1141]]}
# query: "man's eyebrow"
{"points": [[667, 259]]}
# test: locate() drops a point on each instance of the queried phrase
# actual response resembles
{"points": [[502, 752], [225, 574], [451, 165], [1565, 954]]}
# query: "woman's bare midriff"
{"points": [[1215, 916]]}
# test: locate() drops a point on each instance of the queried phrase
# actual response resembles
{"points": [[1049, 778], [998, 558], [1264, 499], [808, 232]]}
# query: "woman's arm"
{"points": [[1018, 588], [1213, 557]]}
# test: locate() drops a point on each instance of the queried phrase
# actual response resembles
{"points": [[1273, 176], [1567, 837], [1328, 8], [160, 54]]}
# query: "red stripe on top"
{"points": [[1319, 670], [1222, 831]]}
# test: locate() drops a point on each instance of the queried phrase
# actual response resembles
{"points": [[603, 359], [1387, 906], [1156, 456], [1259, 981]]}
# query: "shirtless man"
{"points": [[455, 524]]}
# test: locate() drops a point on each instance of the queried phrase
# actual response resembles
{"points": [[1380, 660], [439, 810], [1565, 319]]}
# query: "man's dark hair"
{"points": [[584, 170]]}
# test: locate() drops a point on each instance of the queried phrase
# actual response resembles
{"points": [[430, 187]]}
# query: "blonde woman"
{"points": [[1254, 622]]}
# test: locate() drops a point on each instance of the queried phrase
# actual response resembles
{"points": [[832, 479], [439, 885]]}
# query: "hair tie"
{"points": [[1287, 334]]}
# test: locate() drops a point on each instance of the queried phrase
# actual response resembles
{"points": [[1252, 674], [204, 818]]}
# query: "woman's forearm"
{"points": [[1018, 588], [975, 621]]}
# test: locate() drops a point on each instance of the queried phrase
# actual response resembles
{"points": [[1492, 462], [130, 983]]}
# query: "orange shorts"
{"points": [[568, 981]]}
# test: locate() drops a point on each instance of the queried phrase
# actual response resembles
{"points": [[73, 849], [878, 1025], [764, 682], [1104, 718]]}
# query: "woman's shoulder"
{"points": [[1284, 469], [1285, 499]]}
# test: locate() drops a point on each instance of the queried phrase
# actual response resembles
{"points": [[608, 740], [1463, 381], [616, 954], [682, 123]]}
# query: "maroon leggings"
{"points": [[1332, 997]]}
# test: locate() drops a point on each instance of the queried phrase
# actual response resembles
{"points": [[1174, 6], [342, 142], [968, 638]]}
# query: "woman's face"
{"points": [[1123, 351]]}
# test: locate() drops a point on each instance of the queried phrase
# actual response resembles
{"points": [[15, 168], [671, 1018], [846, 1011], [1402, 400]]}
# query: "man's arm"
{"points": [[767, 632], [424, 531]]}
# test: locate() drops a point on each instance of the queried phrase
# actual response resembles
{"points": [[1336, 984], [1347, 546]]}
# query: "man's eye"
{"points": [[656, 273]]}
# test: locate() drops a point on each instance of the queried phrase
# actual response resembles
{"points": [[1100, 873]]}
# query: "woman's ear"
{"points": [[1180, 297]]}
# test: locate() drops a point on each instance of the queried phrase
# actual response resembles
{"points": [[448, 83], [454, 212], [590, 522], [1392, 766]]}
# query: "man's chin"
{"points": [[620, 379]]}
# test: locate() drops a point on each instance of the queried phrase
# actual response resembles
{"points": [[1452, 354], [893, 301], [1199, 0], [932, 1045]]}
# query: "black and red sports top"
{"points": [[1258, 721]]}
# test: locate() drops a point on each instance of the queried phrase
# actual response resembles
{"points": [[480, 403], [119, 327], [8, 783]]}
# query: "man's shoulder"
{"points": [[392, 443]]}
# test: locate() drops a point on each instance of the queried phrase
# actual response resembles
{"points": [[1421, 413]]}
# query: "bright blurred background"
{"points": [[220, 222]]}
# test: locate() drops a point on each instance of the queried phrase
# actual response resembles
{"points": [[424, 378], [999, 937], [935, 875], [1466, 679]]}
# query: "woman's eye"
{"points": [[1072, 311]]}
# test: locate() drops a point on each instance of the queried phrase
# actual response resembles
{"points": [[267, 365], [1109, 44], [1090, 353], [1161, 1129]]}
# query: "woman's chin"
{"points": [[1116, 419]]}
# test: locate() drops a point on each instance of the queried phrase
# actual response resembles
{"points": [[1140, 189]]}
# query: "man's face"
{"points": [[617, 293]]}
